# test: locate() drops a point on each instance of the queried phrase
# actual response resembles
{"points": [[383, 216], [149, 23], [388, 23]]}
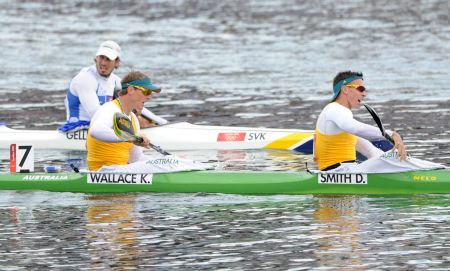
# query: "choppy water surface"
{"points": [[219, 232], [243, 63]]}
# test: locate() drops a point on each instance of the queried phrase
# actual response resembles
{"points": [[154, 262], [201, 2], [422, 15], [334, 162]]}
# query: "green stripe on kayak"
{"points": [[238, 182]]}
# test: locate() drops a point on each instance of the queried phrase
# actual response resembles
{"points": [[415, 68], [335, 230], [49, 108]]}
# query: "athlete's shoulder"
{"points": [[336, 108], [115, 77], [335, 111], [85, 74], [117, 81], [83, 81], [329, 108], [111, 105]]}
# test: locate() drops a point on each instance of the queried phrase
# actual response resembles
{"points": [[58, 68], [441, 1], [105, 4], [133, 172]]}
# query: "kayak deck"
{"points": [[167, 137], [234, 182]]}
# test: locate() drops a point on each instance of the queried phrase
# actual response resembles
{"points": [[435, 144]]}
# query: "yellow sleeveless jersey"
{"points": [[333, 149], [107, 153]]}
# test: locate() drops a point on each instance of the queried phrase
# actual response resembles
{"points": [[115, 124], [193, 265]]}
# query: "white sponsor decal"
{"points": [[342, 178], [115, 178], [394, 156], [45, 177]]}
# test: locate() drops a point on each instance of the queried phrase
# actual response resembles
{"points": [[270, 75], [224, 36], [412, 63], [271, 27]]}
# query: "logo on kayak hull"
{"points": [[342, 178], [420, 178], [224, 137], [124, 178], [163, 161], [64, 177]]}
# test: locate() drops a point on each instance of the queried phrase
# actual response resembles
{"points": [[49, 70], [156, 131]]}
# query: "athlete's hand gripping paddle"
{"points": [[123, 127]]}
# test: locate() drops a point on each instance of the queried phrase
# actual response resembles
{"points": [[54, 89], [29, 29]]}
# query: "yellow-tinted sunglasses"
{"points": [[145, 91], [360, 88]]}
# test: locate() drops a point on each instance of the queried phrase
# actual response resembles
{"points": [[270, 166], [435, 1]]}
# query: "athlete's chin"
{"points": [[104, 73], [139, 107]]}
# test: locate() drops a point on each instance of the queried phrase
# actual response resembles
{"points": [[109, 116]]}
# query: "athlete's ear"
{"points": [[117, 63], [344, 89]]}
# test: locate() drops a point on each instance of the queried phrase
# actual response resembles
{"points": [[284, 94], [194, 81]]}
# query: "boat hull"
{"points": [[176, 136], [180, 136], [238, 182]]}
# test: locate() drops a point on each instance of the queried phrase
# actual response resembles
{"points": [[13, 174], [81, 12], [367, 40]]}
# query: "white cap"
{"points": [[110, 49]]}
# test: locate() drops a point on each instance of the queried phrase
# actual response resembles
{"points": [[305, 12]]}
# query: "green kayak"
{"points": [[234, 182]]}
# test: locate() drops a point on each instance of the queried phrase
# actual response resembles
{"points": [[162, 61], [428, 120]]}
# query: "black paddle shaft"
{"points": [[158, 149]]}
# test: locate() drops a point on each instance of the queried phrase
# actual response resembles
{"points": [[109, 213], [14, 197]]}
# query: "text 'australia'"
{"points": [[342, 178], [123, 178]]}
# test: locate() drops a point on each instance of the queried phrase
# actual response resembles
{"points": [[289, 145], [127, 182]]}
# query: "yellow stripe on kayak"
{"points": [[288, 141]]}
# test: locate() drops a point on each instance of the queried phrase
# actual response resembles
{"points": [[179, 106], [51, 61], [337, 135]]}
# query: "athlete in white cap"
{"points": [[94, 86]]}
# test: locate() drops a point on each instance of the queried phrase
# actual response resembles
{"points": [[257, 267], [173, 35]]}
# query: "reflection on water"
{"points": [[338, 221], [111, 231], [211, 232]]}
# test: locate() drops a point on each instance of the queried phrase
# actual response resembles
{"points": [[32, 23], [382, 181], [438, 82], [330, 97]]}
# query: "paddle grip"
{"points": [[139, 139]]}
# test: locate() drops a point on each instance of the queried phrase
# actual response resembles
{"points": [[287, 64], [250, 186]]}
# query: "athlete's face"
{"points": [[139, 99], [355, 93], [105, 66]]}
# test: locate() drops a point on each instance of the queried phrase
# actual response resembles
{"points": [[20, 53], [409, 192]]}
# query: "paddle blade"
{"points": [[123, 127], [377, 120], [375, 117]]}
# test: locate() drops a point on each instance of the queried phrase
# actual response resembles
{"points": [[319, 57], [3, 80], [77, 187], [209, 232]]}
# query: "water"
{"points": [[242, 63], [223, 232]]}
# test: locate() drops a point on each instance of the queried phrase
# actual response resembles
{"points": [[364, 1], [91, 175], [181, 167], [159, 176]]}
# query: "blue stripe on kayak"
{"points": [[307, 147], [385, 145]]}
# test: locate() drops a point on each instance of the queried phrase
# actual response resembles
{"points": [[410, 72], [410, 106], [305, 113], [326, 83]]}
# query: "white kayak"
{"points": [[174, 136]]}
